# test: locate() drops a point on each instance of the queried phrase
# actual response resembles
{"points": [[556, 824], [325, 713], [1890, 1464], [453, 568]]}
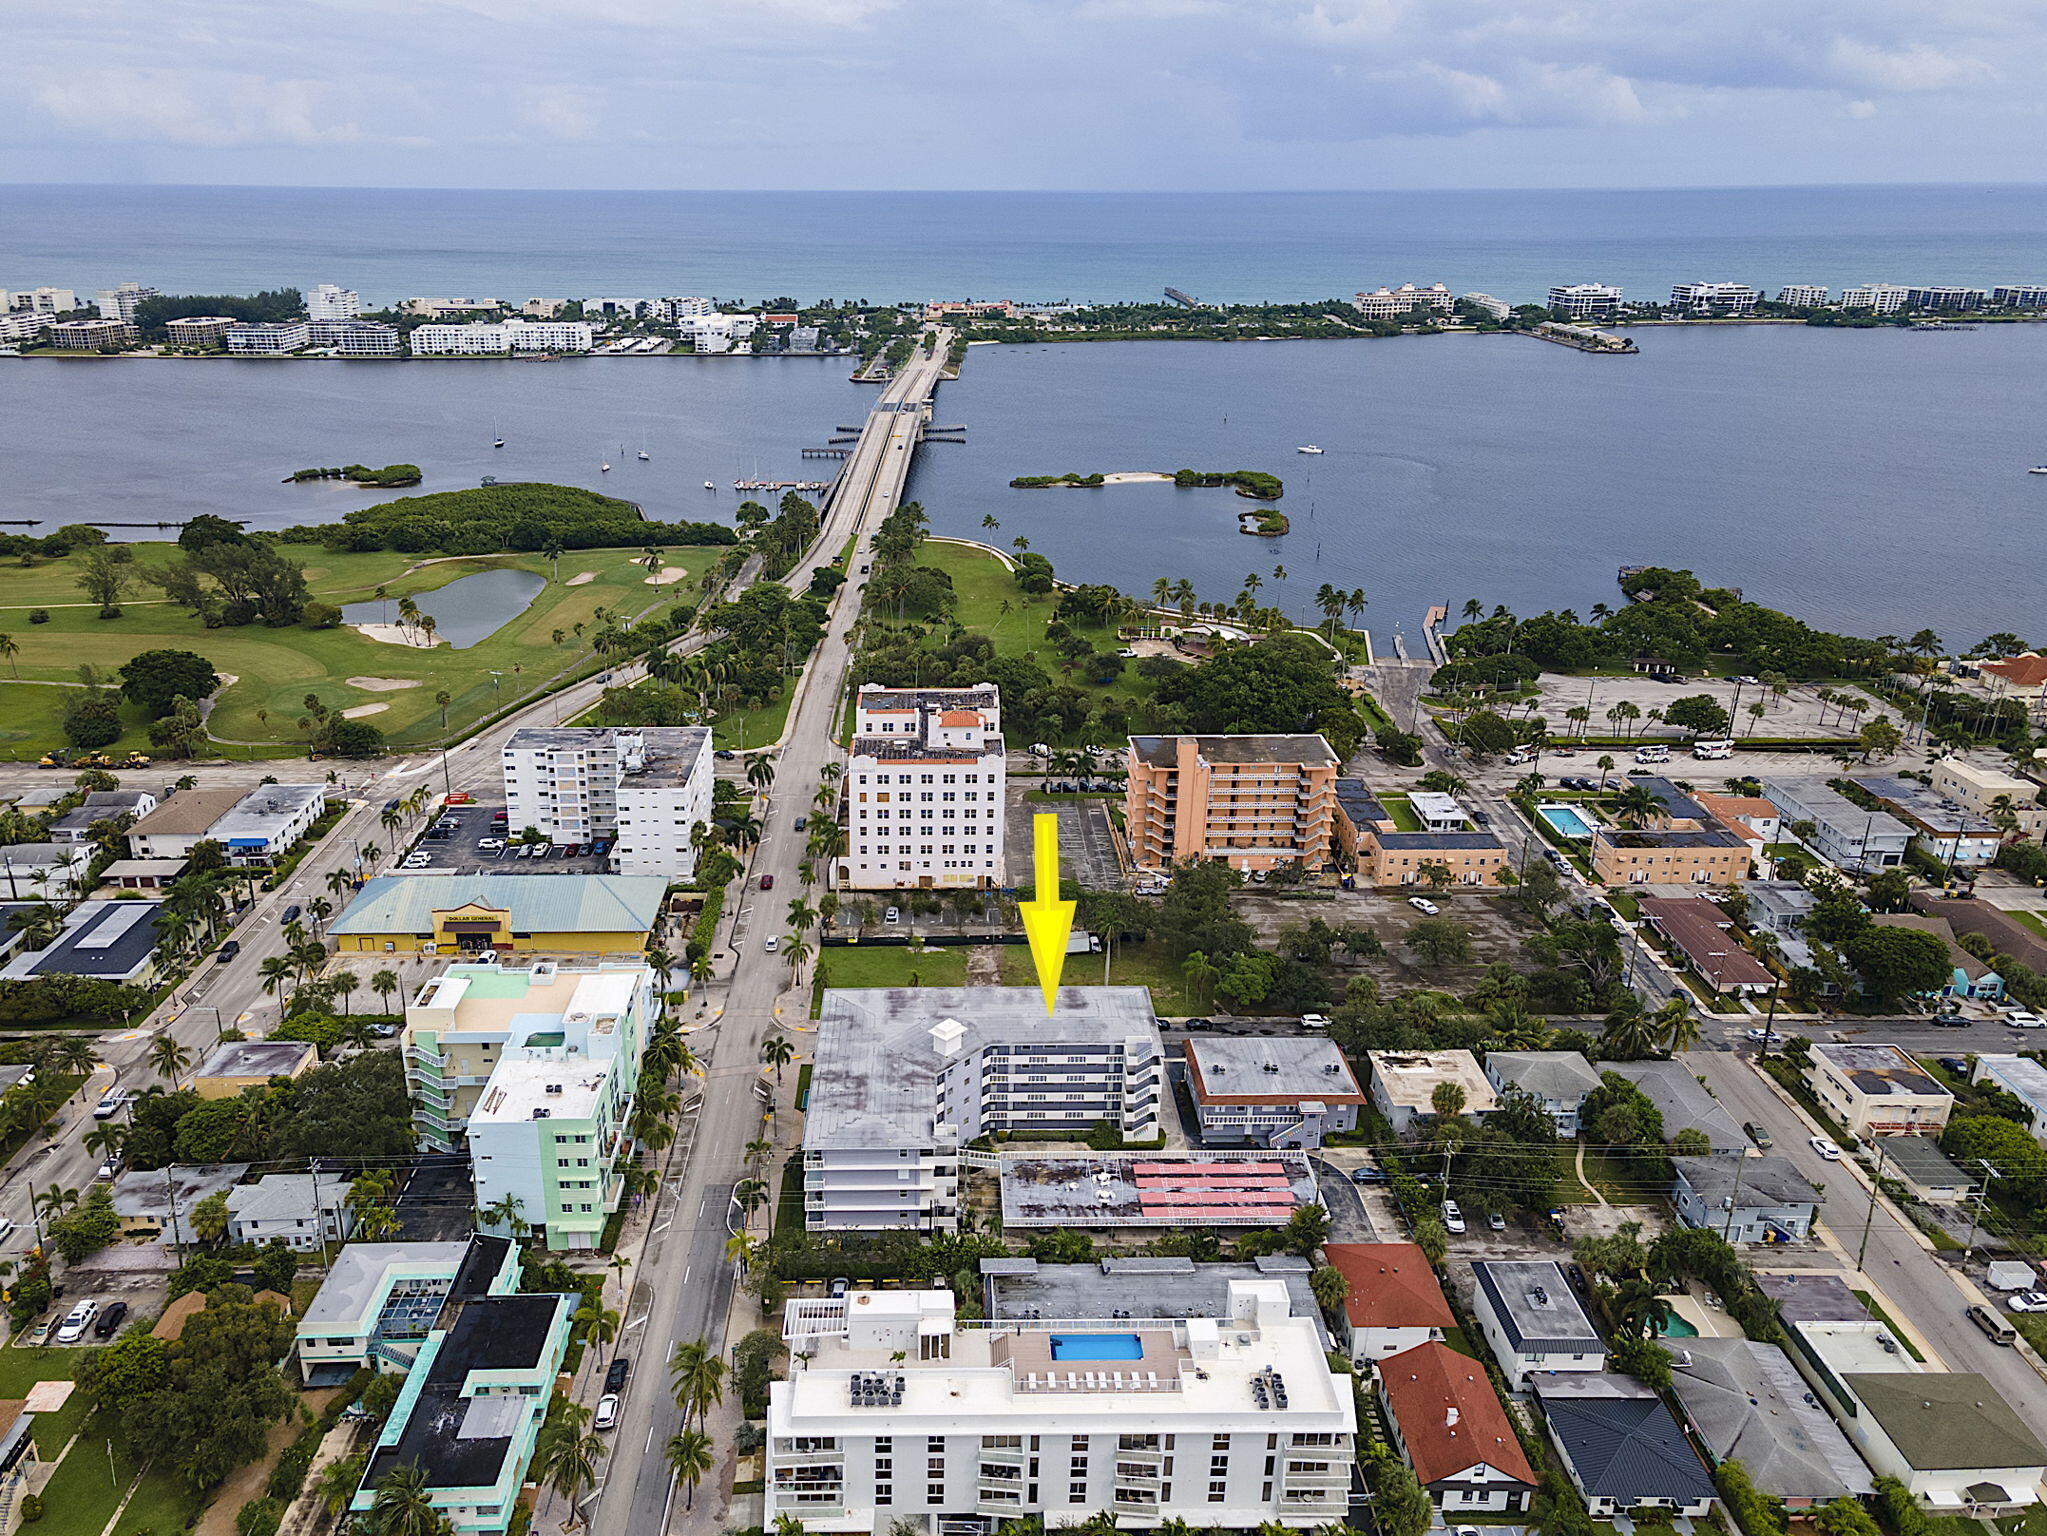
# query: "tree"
{"points": [[104, 576], [1879, 738], [565, 1459], [1307, 1229], [698, 1376], [1330, 1287], [156, 680], [777, 1052], [384, 983], [1432, 1238], [1439, 942], [1400, 1505], [1691, 1142], [1698, 713], [1447, 1100], [221, 1389], [1897, 962], [168, 1058], [690, 1458], [208, 1218], [402, 1505], [1846, 1517], [92, 718]]}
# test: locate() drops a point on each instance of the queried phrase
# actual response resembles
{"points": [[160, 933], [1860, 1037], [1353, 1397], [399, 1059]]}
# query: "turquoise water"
{"points": [[1678, 1328], [1096, 1346], [1565, 820]]}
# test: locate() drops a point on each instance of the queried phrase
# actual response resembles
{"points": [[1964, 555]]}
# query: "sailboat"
{"points": [[644, 455], [497, 438]]}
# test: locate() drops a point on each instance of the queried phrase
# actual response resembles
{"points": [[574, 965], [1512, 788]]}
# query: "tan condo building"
{"points": [[1254, 802]]}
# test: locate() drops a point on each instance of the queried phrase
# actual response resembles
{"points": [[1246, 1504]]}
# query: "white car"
{"points": [[607, 1412], [418, 860], [1453, 1218], [2021, 1019], [490, 845], [771, 944], [2029, 1301], [1760, 1035], [76, 1321], [1824, 1147], [1423, 904]]}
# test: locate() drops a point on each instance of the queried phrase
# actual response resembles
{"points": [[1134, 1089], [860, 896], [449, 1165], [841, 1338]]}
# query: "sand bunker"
{"points": [[383, 684], [669, 574], [580, 578], [397, 634], [363, 709]]}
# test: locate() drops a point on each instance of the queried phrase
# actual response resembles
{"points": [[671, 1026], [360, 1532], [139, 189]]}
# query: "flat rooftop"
{"points": [[1812, 1297], [1259, 1069], [1410, 1078], [111, 940], [257, 1058], [540, 1088], [1309, 751], [1025, 1290], [356, 1278], [2020, 1075], [1759, 1180], [1850, 1348], [1934, 811], [1140, 1189], [1882, 1070], [1535, 1304], [522, 1007], [262, 812]]}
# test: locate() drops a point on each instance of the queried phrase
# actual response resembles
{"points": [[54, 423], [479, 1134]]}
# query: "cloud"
{"points": [[199, 108], [1914, 68]]}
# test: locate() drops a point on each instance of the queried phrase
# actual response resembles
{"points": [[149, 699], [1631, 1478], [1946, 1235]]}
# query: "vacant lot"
{"points": [[1497, 928], [1799, 714]]}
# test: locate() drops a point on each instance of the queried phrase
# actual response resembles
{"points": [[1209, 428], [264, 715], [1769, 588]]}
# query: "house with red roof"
{"points": [[1394, 1302], [1447, 1421]]}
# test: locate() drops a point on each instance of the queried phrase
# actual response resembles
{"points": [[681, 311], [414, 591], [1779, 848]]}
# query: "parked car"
{"points": [[1368, 1175], [1763, 1036], [1453, 1218], [839, 1285], [607, 1412], [1495, 1222], [1424, 905], [1314, 1021], [110, 1320], [1998, 1330], [491, 845], [1951, 1018], [615, 1374], [228, 951], [290, 914], [1959, 1065], [76, 1321], [2029, 1301], [1824, 1147], [1760, 1135], [892, 916], [2019, 1018]]}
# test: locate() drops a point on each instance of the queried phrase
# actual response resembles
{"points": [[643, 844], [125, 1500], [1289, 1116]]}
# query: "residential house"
{"points": [[2024, 1079], [2022, 677], [1700, 933], [1447, 1421], [1927, 1171], [1843, 833], [142, 874], [510, 914], [1254, 802], [1746, 1402], [75, 826], [1533, 1320], [182, 821], [1557, 1080], [1623, 1449], [902, 1079], [1968, 976], [158, 1203], [1752, 818], [1877, 1090], [1684, 1102], [44, 871], [1404, 1084], [1745, 1199], [874, 1373], [303, 1209], [1780, 908], [2006, 934], [1394, 1302], [239, 1065], [267, 822], [1271, 1090]]}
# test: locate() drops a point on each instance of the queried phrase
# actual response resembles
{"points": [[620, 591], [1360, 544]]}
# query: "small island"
{"points": [[1253, 483], [361, 474], [1265, 523], [1071, 477]]}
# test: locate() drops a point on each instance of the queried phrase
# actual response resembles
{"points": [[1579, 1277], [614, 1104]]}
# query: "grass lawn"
{"points": [[22, 1368], [1454, 1337], [32, 720], [757, 729], [81, 1498], [276, 668], [1139, 965], [2030, 920], [2032, 1523], [863, 965], [1402, 813]]}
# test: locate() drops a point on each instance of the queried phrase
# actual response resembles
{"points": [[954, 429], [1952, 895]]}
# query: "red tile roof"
{"points": [[1449, 1416], [2027, 671], [960, 717], [1391, 1286]]}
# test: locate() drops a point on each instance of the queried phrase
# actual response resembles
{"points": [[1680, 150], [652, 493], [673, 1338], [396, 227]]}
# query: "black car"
{"points": [[290, 913], [1956, 1065], [110, 1320], [1951, 1020], [614, 1377], [228, 951]]}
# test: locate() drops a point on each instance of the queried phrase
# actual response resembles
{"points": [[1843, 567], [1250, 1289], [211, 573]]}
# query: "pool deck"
{"points": [[1571, 816]]}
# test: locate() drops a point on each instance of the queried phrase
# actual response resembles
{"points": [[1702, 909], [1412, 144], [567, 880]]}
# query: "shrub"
{"points": [[259, 1517], [39, 615], [31, 1508]]}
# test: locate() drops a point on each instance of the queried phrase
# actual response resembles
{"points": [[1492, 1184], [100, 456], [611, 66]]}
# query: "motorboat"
{"points": [[2038, 469], [1307, 448], [709, 486], [604, 469], [644, 456]]}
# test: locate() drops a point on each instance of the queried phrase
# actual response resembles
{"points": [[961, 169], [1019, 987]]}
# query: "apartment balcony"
{"points": [[992, 1456], [835, 1458], [1331, 1506], [1002, 1505], [782, 1503], [1130, 1501], [1305, 1482]]}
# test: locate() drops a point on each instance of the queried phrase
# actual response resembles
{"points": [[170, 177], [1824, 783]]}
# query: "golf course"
{"points": [[392, 686]]}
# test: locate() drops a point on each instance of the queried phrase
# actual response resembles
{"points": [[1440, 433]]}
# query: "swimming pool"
{"points": [[1566, 819], [1097, 1346], [1677, 1328]]}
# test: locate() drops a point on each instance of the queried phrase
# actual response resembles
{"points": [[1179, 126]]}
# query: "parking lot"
{"points": [[462, 850], [1087, 840]]}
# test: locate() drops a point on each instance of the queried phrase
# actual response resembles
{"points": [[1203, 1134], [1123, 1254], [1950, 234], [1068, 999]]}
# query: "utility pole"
{"points": [[1976, 1213], [1727, 1226], [1770, 1023], [1869, 1216]]}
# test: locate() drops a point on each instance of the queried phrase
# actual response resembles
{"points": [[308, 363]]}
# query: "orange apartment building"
{"points": [[1687, 845], [1255, 802]]}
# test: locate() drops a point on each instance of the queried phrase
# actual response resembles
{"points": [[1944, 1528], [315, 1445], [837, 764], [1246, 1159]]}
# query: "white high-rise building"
{"points": [[680, 308], [270, 338], [354, 338], [1802, 295], [902, 1079], [43, 301], [497, 338], [1584, 301], [1722, 298], [119, 303], [924, 786], [1385, 303], [645, 787], [328, 302], [897, 1410], [1877, 298], [2020, 295], [1485, 303]]}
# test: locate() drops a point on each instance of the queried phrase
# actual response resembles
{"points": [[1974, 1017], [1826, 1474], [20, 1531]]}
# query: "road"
{"points": [[1917, 1287], [684, 1283]]}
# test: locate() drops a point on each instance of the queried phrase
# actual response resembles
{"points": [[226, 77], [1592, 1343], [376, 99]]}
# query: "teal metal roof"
{"points": [[537, 903]]}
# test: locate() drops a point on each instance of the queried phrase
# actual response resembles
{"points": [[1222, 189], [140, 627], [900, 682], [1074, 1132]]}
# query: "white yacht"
{"points": [[1307, 448], [604, 469], [709, 486]]}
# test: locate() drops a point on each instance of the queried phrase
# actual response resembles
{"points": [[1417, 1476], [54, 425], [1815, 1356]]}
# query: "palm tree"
{"points": [[698, 1375], [796, 949], [1629, 1033], [777, 1052], [72, 1053], [385, 984], [760, 771], [338, 881], [1636, 805], [1605, 766], [403, 1505], [1680, 1026], [341, 984], [601, 1323], [275, 970], [11, 648], [802, 915], [689, 1455], [565, 1460], [169, 1058]]}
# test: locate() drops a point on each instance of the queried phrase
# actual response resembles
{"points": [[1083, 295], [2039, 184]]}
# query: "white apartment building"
{"points": [[43, 301], [902, 1079], [1803, 295], [646, 787], [681, 308], [19, 325], [1942, 297], [1877, 298], [1384, 303], [1990, 791], [710, 331], [1843, 833], [1584, 301], [1725, 298], [2019, 295], [354, 338], [199, 330], [536, 1071], [501, 337], [270, 338], [120, 303], [897, 1409], [924, 785], [1485, 303], [327, 302]]}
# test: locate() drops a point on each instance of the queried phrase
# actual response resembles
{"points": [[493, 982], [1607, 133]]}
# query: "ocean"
{"points": [[390, 244]]}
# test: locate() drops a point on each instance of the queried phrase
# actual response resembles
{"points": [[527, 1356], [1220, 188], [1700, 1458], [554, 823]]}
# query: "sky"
{"points": [[1024, 94]]}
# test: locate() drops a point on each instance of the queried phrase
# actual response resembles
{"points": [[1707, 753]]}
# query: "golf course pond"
{"points": [[465, 611]]}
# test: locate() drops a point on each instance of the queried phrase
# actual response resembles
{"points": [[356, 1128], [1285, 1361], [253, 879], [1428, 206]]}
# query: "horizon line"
{"points": [[1331, 192]]}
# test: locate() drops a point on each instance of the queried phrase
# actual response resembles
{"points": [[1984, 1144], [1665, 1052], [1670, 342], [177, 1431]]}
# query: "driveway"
{"points": [[1349, 1222]]}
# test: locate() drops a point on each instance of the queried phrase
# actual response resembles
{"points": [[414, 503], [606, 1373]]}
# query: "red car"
{"points": [[767, 882]]}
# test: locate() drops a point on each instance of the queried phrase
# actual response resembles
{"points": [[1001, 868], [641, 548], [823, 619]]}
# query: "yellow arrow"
{"points": [[1047, 920]]}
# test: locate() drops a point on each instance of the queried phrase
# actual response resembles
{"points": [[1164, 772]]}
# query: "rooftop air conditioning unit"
{"points": [[554, 1087]]}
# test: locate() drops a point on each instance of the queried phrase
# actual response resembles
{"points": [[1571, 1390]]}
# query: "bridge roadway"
{"points": [[684, 1285]]}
